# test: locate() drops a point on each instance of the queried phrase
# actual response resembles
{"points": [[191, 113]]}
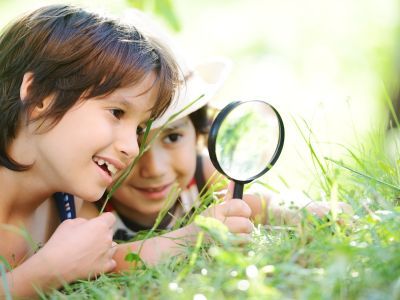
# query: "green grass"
{"points": [[318, 259]]}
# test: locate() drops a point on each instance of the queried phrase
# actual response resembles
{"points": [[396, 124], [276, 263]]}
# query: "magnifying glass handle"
{"points": [[238, 190]]}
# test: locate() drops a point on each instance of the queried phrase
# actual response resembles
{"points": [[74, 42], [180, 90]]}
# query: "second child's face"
{"points": [[93, 141], [171, 159]]}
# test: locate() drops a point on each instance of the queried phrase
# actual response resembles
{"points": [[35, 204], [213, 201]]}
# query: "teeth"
{"points": [[111, 168]]}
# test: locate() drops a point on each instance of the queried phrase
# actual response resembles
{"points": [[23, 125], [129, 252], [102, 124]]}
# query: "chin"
{"points": [[149, 211], [91, 196]]}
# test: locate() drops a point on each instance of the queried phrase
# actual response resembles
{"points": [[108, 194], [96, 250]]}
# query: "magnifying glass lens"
{"points": [[245, 140]]}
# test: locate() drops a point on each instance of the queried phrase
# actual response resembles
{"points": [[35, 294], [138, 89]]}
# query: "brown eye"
{"points": [[139, 131], [117, 113], [172, 138]]}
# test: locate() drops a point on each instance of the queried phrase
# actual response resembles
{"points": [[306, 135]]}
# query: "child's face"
{"points": [[171, 159], [94, 132]]}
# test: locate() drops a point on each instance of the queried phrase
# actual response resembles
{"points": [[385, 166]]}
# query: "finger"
{"points": [[110, 265], [229, 191], [239, 225], [110, 237], [112, 250], [236, 207], [76, 221], [108, 218]]}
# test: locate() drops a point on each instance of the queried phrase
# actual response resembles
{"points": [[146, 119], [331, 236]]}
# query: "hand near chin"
{"points": [[80, 248]]}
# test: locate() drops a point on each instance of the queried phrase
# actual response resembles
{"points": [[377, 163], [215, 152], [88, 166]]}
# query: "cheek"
{"points": [[82, 129], [125, 192], [185, 165], [123, 195]]}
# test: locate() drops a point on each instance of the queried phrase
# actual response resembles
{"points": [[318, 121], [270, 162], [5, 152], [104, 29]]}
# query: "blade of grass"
{"points": [[389, 103], [363, 175], [193, 257], [327, 184], [4, 282]]}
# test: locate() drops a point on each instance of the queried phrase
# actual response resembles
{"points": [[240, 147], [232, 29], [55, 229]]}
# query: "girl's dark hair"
{"points": [[201, 120], [73, 54]]}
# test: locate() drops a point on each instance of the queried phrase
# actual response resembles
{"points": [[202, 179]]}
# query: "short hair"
{"points": [[201, 120], [74, 54]]}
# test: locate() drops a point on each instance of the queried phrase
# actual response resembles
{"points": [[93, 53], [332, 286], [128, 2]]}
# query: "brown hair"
{"points": [[73, 54], [201, 121]]}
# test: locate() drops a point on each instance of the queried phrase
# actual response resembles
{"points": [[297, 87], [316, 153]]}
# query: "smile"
{"points": [[160, 192], [153, 189], [106, 166]]}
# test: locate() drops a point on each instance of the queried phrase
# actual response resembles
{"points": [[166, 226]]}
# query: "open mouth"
{"points": [[107, 167]]}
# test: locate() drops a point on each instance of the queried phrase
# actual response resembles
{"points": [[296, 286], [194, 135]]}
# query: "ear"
{"points": [[27, 81], [25, 85]]}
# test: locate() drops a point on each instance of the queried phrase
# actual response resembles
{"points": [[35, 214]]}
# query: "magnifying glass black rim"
{"points": [[216, 125]]}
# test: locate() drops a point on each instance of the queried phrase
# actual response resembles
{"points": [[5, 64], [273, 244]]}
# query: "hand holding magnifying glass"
{"points": [[245, 141]]}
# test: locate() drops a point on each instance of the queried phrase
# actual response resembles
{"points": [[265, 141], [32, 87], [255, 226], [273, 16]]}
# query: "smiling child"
{"points": [[75, 87]]}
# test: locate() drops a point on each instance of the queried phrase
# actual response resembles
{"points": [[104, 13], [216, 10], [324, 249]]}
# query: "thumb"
{"points": [[229, 191], [106, 217]]}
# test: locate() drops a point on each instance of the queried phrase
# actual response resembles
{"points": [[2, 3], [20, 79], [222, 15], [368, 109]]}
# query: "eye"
{"points": [[140, 130], [172, 138], [117, 113]]}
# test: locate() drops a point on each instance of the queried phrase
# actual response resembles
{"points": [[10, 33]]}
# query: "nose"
{"points": [[127, 143], [153, 164]]}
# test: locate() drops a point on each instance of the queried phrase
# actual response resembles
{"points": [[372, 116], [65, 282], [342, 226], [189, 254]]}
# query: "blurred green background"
{"points": [[324, 63]]}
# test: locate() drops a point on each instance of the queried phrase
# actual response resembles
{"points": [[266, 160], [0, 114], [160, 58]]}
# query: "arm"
{"points": [[78, 249], [155, 249], [21, 281], [286, 207], [152, 249]]}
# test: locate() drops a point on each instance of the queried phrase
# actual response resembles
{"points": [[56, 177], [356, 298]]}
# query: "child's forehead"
{"points": [[178, 124], [131, 95], [144, 85]]}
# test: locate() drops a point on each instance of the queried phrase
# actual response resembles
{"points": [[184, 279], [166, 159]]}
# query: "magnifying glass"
{"points": [[245, 140]]}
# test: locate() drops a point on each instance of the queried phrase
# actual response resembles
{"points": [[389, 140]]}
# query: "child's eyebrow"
{"points": [[125, 103], [122, 102], [176, 125]]}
